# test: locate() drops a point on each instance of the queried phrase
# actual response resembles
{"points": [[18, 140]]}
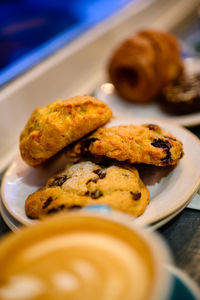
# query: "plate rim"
{"points": [[162, 216], [186, 120], [6, 218], [154, 226], [157, 225]]}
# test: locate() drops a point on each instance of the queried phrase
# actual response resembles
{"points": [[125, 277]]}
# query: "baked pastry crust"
{"points": [[143, 64], [87, 183], [147, 144], [132, 70], [167, 51], [53, 127], [183, 95]]}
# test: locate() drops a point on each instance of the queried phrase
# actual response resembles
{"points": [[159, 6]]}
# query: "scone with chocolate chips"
{"points": [[86, 183], [53, 127], [147, 144]]}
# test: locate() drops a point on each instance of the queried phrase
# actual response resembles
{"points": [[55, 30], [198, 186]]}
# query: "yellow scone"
{"points": [[147, 144], [53, 127], [85, 183]]}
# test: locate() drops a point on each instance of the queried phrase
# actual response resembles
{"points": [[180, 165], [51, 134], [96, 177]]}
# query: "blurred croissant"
{"points": [[144, 64]]}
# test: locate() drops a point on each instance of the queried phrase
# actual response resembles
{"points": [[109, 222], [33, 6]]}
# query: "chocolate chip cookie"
{"points": [[147, 144], [86, 183]]}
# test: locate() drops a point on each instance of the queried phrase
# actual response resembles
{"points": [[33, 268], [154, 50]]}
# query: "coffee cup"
{"points": [[84, 255]]}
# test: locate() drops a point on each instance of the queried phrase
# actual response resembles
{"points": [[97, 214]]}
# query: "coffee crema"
{"points": [[76, 257]]}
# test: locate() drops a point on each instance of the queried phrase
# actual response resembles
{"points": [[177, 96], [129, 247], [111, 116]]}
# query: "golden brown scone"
{"points": [[87, 183], [58, 124], [147, 144], [143, 64]]}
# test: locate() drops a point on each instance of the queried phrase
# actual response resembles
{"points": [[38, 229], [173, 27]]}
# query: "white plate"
{"points": [[164, 221], [195, 203], [8, 219], [14, 225], [118, 105], [168, 192]]}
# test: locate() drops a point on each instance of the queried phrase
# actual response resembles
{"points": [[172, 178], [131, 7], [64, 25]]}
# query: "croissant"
{"points": [[142, 65]]}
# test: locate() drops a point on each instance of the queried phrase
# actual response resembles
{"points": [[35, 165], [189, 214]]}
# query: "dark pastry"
{"points": [[183, 95]]}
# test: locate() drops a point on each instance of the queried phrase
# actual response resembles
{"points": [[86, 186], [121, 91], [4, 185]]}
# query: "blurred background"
{"points": [[30, 30]]}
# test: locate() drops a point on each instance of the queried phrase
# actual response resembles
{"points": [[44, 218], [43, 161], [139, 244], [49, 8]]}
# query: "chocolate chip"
{"points": [[58, 181], [165, 145], [97, 171], [125, 175], [95, 180], [92, 180], [85, 144], [47, 202], [96, 194], [56, 209], [153, 127], [100, 173], [74, 207], [158, 143], [136, 196]]}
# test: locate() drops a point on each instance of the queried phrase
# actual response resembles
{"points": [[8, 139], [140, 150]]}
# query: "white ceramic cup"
{"points": [[84, 255]]}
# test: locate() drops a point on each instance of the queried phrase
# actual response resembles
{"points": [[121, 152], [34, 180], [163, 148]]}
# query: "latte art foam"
{"points": [[82, 262]]}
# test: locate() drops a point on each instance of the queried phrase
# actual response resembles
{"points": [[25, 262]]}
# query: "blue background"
{"points": [[30, 30]]}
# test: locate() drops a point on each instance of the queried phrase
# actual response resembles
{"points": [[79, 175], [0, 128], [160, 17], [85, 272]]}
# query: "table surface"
{"points": [[182, 234]]}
